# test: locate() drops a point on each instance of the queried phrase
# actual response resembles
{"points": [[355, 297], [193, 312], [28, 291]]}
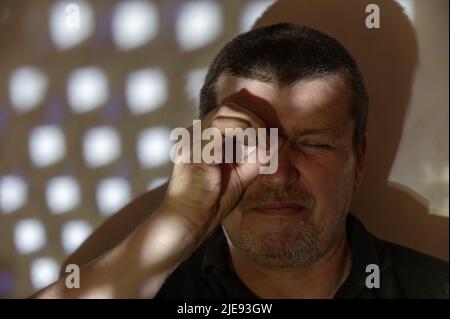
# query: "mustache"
{"points": [[304, 199]]}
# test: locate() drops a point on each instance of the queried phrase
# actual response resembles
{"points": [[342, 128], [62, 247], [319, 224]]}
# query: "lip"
{"points": [[280, 208]]}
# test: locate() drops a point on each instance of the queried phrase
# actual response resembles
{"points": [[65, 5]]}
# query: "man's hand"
{"points": [[204, 194]]}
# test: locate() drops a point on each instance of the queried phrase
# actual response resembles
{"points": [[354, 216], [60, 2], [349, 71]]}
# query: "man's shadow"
{"points": [[388, 58]]}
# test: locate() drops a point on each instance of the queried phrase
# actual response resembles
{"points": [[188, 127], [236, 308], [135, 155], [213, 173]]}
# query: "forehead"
{"points": [[307, 104]]}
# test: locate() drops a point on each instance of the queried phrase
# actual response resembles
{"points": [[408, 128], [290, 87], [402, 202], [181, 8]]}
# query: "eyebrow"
{"points": [[317, 131]]}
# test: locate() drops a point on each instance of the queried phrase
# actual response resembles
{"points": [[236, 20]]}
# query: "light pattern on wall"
{"points": [[90, 92]]}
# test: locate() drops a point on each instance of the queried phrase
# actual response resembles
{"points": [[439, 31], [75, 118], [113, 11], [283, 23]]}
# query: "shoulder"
{"points": [[420, 275]]}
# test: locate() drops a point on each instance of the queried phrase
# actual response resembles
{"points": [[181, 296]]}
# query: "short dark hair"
{"points": [[286, 53]]}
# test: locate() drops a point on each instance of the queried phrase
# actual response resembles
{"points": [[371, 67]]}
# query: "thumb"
{"points": [[248, 169]]}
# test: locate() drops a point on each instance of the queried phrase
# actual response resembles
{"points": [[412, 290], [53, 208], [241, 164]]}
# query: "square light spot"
{"points": [[13, 193], [87, 89], [29, 236], [27, 88], [73, 234], [146, 90], [63, 194], [153, 147], [46, 145], [134, 24], [43, 272], [199, 23], [101, 146], [112, 194], [71, 22]]}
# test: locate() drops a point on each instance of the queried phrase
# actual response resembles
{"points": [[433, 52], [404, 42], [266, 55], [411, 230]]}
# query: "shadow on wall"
{"points": [[387, 57]]}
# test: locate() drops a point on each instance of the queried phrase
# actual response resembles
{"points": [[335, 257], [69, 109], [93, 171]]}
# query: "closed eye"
{"points": [[313, 145]]}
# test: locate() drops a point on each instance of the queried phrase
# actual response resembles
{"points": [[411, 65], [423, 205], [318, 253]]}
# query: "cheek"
{"points": [[232, 221], [327, 176]]}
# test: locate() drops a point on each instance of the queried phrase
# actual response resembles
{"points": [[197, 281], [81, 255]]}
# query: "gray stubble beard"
{"points": [[277, 249], [290, 242]]}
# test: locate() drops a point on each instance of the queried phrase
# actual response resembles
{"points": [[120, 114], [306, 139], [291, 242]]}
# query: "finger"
{"points": [[233, 133], [223, 122], [248, 170], [232, 110]]}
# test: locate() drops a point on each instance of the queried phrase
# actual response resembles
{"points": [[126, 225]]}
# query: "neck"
{"points": [[319, 280]]}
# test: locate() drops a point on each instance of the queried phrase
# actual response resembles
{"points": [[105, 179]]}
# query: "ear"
{"points": [[360, 157]]}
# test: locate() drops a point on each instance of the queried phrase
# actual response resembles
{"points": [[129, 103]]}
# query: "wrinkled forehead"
{"points": [[321, 102]]}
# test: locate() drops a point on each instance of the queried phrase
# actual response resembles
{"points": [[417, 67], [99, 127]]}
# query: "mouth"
{"points": [[280, 208]]}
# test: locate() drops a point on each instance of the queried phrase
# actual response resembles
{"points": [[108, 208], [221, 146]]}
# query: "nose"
{"points": [[286, 173]]}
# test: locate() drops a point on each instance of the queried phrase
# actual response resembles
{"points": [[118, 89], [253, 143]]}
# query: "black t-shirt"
{"points": [[403, 272]]}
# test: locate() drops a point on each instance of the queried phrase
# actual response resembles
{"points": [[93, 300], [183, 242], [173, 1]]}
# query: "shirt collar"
{"points": [[364, 252], [216, 252]]}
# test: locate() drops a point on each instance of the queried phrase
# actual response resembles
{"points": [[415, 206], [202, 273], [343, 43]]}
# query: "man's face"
{"points": [[294, 216]]}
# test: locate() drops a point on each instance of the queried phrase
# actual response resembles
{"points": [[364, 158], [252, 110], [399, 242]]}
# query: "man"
{"points": [[226, 231]]}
